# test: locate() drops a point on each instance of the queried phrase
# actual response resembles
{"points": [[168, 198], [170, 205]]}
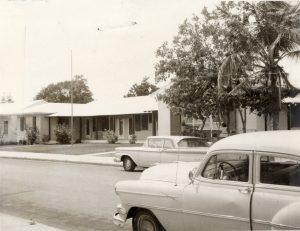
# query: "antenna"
{"points": [[177, 165]]}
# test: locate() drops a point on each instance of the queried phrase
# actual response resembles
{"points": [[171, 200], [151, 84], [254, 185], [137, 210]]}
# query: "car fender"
{"points": [[287, 217], [164, 200]]}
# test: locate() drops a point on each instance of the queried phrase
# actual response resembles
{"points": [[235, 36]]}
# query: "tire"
{"points": [[128, 164], [145, 221]]}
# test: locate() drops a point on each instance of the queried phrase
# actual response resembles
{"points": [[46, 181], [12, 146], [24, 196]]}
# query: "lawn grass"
{"points": [[75, 149]]}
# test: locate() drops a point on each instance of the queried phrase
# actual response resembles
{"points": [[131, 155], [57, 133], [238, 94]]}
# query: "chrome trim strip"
{"points": [[149, 194], [191, 212], [217, 216], [275, 225]]}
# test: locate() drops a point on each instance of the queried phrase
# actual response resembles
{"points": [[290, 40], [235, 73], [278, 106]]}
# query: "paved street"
{"points": [[62, 195]]}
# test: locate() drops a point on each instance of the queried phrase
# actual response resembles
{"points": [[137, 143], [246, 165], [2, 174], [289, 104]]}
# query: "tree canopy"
{"points": [[229, 59], [60, 92], [144, 88]]}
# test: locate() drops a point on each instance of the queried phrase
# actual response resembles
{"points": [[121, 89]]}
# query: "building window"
{"points": [[150, 118], [22, 123], [130, 126], [63, 120], [145, 122], [111, 123], [105, 123], [34, 122], [88, 127], [94, 124], [137, 122], [5, 128]]}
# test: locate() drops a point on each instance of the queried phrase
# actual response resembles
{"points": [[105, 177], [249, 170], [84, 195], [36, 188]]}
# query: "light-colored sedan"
{"points": [[162, 149], [245, 182]]}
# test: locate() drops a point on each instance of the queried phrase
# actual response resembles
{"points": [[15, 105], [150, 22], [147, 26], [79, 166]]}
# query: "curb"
{"points": [[96, 160], [65, 161]]}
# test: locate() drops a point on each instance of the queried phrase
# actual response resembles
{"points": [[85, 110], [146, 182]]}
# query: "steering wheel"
{"points": [[222, 174]]}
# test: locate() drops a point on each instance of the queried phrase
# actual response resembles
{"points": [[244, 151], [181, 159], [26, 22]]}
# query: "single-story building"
{"points": [[143, 116]]}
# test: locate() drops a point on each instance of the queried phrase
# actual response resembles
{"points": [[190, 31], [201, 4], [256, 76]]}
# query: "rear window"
{"points": [[192, 142]]}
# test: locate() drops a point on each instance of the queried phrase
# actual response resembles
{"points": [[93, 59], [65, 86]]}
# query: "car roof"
{"points": [[175, 138], [269, 141]]}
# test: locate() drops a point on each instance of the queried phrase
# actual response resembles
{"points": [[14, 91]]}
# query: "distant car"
{"points": [[162, 149], [245, 182]]}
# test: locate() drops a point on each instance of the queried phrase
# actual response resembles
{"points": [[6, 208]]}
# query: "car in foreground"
{"points": [[161, 149], [245, 182]]}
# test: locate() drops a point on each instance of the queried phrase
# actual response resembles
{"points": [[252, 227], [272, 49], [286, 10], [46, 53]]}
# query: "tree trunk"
{"points": [[228, 123], [275, 118], [243, 116], [203, 124]]}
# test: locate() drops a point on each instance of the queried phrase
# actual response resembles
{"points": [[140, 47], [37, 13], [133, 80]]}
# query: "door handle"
{"points": [[246, 190]]}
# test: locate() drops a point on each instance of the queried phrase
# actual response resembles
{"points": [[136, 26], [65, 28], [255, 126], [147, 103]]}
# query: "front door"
{"points": [[219, 198], [121, 128]]}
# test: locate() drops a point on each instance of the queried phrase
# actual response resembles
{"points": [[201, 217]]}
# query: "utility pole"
{"points": [[71, 93]]}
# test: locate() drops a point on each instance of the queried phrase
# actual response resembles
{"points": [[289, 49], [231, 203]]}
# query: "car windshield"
{"points": [[192, 142]]}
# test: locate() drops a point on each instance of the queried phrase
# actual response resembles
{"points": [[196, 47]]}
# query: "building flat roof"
{"points": [[122, 106]]}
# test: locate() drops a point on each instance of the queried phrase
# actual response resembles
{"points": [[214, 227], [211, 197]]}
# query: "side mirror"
{"points": [[191, 176]]}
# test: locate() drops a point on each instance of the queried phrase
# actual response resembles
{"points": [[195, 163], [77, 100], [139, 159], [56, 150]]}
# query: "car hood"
{"points": [[172, 172]]}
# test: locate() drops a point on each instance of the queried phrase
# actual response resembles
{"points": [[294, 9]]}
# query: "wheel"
{"points": [[145, 221], [128, 164]]}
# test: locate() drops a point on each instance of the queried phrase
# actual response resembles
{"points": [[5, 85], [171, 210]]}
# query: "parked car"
{"points": [[162, 149], [245, 182]]}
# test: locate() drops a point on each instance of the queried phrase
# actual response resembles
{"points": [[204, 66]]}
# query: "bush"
{"points": [[32, 135], [63, 134], [132, 139], [45, 138], [111, 137]]}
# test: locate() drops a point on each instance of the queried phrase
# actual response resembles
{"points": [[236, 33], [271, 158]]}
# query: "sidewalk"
{"points": [[11, 223], [96, 158]]}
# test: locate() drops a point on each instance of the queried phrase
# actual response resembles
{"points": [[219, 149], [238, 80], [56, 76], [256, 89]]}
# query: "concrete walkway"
{"points": [[11, 223], [96, 158]]}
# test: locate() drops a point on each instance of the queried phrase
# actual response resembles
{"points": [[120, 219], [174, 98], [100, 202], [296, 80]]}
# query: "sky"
{"points": [[38, 37]]}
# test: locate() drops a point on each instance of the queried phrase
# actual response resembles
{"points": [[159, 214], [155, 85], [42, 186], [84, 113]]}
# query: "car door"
{"points": [[219, 198], [151, 154], [276, 198], [169, 153]]}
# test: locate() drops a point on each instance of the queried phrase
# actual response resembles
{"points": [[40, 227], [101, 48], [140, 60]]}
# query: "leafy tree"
{"points": [[144, 88], [192, 62], [260, 35], [60, 92]]}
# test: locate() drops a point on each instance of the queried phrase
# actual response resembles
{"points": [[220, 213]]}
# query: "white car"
{"points": [[245, 182], [162, 149]]}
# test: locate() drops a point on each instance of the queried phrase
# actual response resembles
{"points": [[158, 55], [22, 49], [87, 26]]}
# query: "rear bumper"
{"points": [[117, 159]]}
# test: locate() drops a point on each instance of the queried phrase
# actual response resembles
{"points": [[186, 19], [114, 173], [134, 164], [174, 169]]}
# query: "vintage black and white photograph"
{"points": [[158, 115]]}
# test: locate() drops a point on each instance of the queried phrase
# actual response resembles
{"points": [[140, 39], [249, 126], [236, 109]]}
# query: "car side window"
{"points": [[155, 143], [230, 167], [279, 171], [168, 144]]}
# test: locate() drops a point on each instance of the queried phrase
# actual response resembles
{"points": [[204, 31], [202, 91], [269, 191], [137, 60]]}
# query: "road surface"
{"points": [[62, 195]]}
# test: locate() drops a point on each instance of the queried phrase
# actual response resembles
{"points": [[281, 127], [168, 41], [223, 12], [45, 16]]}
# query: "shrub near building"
{"points": [[63, 134]]}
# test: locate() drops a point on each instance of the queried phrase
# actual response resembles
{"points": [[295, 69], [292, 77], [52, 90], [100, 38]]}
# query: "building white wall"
{"points": [[164, 119], [11, 136]]}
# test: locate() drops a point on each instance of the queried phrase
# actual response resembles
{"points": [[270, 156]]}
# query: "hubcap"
{"points": [[127, 163], [146, 225]]}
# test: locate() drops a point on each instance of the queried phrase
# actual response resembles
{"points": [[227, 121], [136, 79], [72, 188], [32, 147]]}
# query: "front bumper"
{"points": [[120, 216]]}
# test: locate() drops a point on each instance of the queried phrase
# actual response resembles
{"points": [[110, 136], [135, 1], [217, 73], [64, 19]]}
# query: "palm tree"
{"points": [[266, 32]]}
